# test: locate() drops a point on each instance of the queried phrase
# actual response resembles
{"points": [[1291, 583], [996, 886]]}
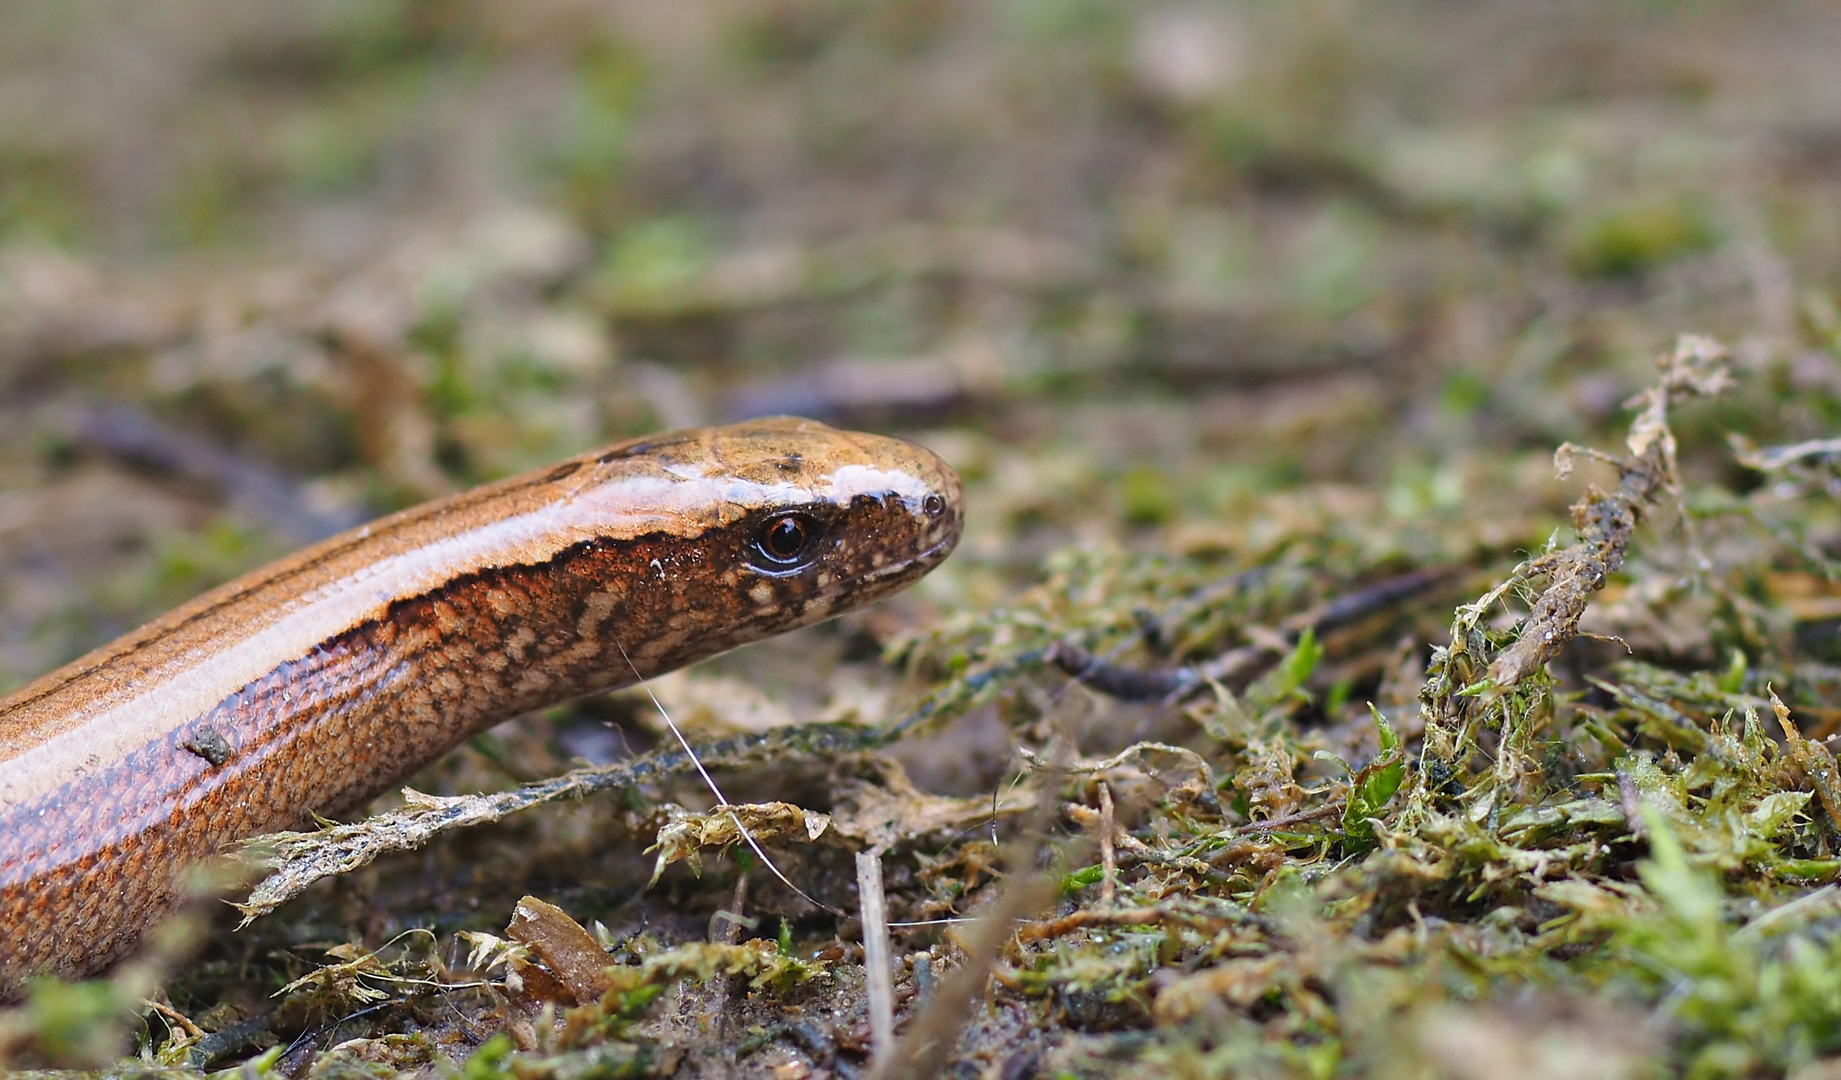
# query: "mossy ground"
{"points": [[1275, 690]]}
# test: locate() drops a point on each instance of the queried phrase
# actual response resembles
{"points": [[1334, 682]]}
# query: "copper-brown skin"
{"points": [[313, 684]]}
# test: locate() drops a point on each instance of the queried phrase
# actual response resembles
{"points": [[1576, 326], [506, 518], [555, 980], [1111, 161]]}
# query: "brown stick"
{"points": [[1606, 520]]}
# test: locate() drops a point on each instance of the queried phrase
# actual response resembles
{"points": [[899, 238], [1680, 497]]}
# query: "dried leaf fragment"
{"points": [[686, 833], [569, 951]]}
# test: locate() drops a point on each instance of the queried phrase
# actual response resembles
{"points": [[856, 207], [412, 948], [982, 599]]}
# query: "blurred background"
{"points": [[1136, 268]]}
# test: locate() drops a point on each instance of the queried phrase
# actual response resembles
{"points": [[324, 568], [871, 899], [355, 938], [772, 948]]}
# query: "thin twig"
{"points": [[1606, 520], [1328, 809], [178, 1019], [1237, 665], [873, 903], [300, 858], [728, 934], [935, 1031], [932, 1033], [1109, 870]]}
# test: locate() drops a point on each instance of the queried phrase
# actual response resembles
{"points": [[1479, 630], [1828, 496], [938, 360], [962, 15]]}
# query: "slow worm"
{"points": [[313, 684]]}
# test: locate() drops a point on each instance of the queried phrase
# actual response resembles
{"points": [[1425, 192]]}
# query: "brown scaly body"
{"points": [[315, 683]]}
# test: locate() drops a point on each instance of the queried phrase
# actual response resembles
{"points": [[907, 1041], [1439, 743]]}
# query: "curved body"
{"points": [[313, 684]]}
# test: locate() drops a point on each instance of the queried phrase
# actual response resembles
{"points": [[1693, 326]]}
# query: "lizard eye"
{"points": [[786, 542]]}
